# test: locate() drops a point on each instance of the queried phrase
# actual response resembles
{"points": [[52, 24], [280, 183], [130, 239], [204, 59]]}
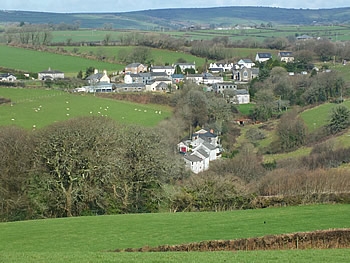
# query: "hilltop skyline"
{"points": [[77, 6]]}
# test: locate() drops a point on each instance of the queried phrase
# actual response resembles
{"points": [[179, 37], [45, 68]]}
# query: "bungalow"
{"points": [[50, 74], [286, 56], [98, 77], [135, 68], [7, 77], [262, 57]]}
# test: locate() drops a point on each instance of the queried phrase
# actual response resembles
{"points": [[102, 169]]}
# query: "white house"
{"points": [[200, 150], [194, 163], [220, 87], [286, 56], [7, 77], [50, 74], [169, 70], [247, 63], [263, 56], [194, 78], [241, 97]]}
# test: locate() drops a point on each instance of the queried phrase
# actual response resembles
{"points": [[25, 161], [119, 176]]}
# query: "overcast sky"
{"points": [[73, 6]]}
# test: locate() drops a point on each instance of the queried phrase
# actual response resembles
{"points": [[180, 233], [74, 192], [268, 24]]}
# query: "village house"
{"points": [[194, 78], [135, 68], [7, 77], [159, 85], [177, 78], [263, 57], [145, 77], [220, 87], [245, 63], [98, 77], [169, 70], [286, 56], [210, 79], [202, 148], [241, 96], [50, 74]]}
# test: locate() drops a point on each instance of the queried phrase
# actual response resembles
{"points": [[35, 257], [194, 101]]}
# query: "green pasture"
{"points": [[85, 35], [158, 56], [36, 108], [88, 239], [36, 61], [319, 116]]}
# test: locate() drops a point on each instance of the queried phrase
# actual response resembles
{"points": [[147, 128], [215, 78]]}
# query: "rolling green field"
{"points": [[38, 108], [159, 56], [88, 239], [317, 117], [36, 61]]}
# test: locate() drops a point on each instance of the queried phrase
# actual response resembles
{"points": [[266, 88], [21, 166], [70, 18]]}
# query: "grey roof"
{"points": [[5, 75], [241, 92], [202, 152], [209, 146], [95, 76], [133, 65], [130, 85], [158, 74], [193, 158], [162, 67], [177, 76], [286, 54]]}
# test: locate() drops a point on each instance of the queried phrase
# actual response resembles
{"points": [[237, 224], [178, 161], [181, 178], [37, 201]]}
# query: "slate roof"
{"points": [[286, 54], [264, 55], [193, 158]]}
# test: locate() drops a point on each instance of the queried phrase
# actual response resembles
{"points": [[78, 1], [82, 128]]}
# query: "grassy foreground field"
{"points": [[88, 239], [39, 107]]}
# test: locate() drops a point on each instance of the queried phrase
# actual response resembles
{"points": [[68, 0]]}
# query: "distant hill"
{"points": [[185, 17]]}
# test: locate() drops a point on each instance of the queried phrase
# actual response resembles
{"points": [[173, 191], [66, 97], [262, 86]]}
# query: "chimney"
{"points": [[95, 71]]}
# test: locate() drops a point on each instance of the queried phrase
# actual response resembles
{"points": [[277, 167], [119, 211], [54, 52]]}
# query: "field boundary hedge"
{"points": [[322, 239]]}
